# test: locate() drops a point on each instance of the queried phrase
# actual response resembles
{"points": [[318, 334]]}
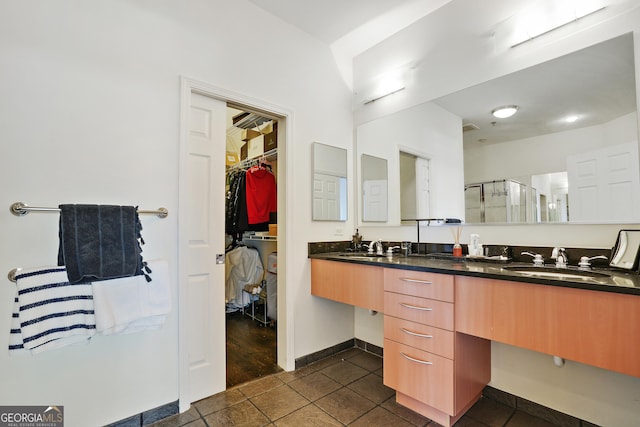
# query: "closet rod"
{"points": [[21, 209], [269, 155]]}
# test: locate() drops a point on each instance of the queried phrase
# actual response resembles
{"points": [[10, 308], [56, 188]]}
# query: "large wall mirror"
{"points": [[329, 183], [417, 152], [571, 149]]}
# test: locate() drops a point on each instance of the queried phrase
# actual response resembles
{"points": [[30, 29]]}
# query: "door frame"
{"points": [[285, 333]]}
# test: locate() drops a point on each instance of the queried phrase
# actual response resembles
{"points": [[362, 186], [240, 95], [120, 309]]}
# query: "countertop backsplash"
{"points": [[515, 252]]}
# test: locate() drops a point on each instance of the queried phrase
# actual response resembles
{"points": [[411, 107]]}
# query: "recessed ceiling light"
{"points": [[505, 111], [571, 119]]}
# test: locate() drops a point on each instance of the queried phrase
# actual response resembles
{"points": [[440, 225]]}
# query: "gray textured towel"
{"points": [[99, 242]]}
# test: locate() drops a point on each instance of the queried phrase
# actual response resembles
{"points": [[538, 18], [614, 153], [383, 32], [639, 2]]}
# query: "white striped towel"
{"points": [[49, 312], [131, 304]]}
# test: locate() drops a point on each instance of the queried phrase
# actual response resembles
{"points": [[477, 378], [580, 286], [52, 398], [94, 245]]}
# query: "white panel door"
{"points": [[326, 197], [584, 196], [604, 184], [422, 188], [374, 200], [205, 234], [622, 202]]}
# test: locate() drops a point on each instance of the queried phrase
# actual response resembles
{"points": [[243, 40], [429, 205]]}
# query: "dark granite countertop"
{"points": [[597, 279]]}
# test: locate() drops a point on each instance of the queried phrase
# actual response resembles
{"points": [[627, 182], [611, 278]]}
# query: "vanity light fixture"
{"points": [[383, 95], [505, 111], [390, 82], [546, 16]]}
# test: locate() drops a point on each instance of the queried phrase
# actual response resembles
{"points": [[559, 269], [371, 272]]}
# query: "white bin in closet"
{"points": [[271, 278]]}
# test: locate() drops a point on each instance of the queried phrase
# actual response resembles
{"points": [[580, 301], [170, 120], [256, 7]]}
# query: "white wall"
{"points": [[90, 114], [455, 51]]}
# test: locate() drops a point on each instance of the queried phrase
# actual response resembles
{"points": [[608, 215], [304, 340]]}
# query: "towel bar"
{"points": [[12, 274], [21, 209]]}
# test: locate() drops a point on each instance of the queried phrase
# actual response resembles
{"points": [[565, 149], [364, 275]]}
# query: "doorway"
{"points": [[251, 245], [201, 242]]}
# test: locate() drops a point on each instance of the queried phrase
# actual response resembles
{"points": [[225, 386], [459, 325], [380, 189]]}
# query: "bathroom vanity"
{"points": [[440, 317]]}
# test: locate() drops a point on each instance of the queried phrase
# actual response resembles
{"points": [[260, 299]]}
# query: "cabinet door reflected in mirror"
{"points": [[329, 183], [374, 188]]}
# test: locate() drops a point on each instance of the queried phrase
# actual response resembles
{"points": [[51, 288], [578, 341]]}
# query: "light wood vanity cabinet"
{"points": [[438, 328], [349, 283], [434, 370], [592, 327]]}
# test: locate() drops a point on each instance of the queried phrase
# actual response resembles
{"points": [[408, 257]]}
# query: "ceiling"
{"points": [[328, 20], [350, 27], [543, 96], [597, 84]]}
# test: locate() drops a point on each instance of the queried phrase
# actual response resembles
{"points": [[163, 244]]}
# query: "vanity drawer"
{"points": [[419, 283], [422, 337], [421, 310], [354, 284], [424, 376]]}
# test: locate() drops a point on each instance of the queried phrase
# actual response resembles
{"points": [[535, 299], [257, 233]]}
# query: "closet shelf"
{"points": [[259, 237], [270, 155]]}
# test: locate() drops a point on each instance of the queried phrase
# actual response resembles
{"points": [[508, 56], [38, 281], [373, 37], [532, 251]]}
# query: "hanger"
{"points": [[262, 164]]}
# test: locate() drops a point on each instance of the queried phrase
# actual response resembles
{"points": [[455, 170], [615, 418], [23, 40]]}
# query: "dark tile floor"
{"points": [[343, 390]]}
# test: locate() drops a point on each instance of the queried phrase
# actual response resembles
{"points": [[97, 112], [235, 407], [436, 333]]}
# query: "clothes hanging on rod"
{"points": [[235, 207], [251, 198], [261, 196], [242, 267]]}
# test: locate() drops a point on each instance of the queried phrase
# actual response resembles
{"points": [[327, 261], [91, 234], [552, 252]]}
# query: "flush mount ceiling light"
{"points": [[505, 111]]}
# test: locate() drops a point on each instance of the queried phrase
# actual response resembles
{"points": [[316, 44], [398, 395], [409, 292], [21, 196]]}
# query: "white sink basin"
{"points": [[360, 255], [559, 273]]}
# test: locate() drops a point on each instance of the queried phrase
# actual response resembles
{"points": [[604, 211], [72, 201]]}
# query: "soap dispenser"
{"points": [[356, 241]]}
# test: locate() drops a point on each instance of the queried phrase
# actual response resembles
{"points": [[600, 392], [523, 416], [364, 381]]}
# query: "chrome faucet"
{"points": [[560, 255], [378, 245]]}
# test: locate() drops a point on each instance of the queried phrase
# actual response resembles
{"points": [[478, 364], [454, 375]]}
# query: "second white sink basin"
{"points": [[360, 255], [559, 273]]}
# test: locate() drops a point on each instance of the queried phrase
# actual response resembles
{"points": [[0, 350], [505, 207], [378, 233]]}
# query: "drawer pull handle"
{"points": [[415, 307], [406, 279], [424, 362], [416, 334]]}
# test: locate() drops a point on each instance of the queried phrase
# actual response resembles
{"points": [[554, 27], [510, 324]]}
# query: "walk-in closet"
{"points": [[251, 259]]}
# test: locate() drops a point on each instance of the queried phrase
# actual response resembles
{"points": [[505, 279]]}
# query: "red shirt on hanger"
{"points": [[261, 195]]}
